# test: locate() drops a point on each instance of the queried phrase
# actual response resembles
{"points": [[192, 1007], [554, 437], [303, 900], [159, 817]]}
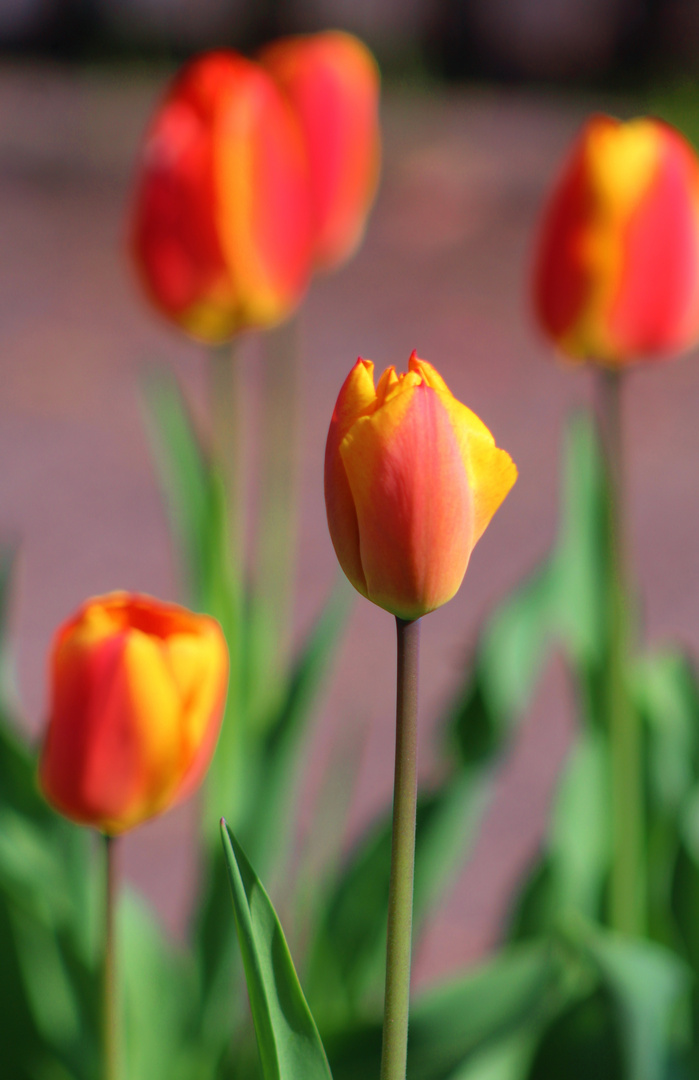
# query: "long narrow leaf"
{"points": [[269, 818], [287, 1037], [182, 472]]}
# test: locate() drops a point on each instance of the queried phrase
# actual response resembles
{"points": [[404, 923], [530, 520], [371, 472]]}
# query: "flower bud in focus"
{"points": [[221, 219], [412, 479], [138, 689], [616, 274], [332, 81]]}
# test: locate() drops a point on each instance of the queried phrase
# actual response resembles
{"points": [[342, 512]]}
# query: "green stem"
{"points": [[276, 535], [225, 596], [227, 413], [394, 1053], [627, 888], [110, 1020]]}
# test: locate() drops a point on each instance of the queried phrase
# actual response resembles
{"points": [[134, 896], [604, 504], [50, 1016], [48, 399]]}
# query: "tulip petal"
{"points": [[560, 278], [198, 666], [221, 232], [66, 769], [656, 305], [137, 724], [332, 80], [491, 471], [356, 398], [263, 205], [413, 502], [177, 246]]}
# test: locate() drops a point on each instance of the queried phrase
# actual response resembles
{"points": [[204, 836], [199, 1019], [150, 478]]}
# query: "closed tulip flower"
{"points": [[412, 479], [617, 265], [221, 222], [332, 81], [138, 689]]}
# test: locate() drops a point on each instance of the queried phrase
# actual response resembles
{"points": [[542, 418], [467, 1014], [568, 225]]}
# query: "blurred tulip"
{"points": [[412, 479], [617, 266], [137, 695], [332, 80], [221, 223]]}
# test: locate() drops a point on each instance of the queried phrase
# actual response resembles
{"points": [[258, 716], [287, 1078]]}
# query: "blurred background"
{"points": [[566, 40], [481, 100]]}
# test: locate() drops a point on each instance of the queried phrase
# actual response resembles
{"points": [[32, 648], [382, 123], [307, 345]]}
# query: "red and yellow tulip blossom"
{"points": [[332, 81], [412, 479], [221, 223], [617, 266], [137, 695]]}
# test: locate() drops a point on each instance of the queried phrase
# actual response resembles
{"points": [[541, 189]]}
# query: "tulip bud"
{"points": [[332, 81], [412, 479], [617, 265], [221, 222], [137, 695]]}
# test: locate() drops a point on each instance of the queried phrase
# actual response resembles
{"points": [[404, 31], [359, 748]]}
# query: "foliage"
{"points": [[565, 994]]}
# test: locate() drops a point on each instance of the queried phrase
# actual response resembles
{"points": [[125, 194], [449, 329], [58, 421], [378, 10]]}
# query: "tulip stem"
{"points": [[228, 440], [276, 527], [394, 1054], [110, 1028], [627, 887], [227, 409]]}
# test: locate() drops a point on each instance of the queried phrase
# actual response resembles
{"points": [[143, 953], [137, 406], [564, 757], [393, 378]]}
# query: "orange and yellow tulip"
{"points": [[332, 81], [412, 479], [616, 274], [138, 689], [221, 231]]}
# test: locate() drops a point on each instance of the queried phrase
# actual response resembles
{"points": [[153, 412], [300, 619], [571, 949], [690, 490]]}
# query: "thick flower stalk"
{"points": [[138, 689], [221, 219], [412, 479], [616, 275], [332, 81]]}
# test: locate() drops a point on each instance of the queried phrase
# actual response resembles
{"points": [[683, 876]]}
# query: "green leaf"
{"points": [[665, 692], [508, 1059], [183, 473], [270, 768], [562, 600], [513, 648], [455, 1024], [581, 1042], [19, 1038], [159, 1000], [346, 970], [581, 561], [194, 494], [650, 986], [268, 821], [47, 979], [287, 1037], [571, 873]]}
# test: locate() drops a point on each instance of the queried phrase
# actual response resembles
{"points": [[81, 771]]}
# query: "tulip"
{"points": [[221, 222], [617, 265], [412, 479], [332, 81], [138, 689]]}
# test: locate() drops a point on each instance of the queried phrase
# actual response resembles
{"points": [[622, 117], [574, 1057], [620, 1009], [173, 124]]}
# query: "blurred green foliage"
{"points": [[564, 996]]}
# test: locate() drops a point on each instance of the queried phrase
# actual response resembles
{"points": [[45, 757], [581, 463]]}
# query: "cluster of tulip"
{"points": [[254, 173]]}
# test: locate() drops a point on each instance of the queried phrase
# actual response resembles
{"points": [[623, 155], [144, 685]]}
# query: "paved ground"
{"points": [[443, 270]]}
